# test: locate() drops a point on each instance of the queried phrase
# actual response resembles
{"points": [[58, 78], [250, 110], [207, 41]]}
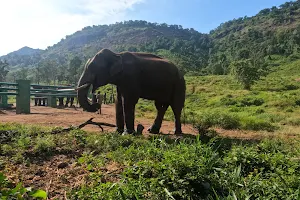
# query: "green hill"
{"points": [[273, 31], [189, 46], [25, 56]]}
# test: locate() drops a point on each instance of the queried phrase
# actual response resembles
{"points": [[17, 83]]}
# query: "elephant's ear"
{"points": [[117, 65]]}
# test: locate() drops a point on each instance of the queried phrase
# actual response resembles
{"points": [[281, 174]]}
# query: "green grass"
{"points": [[160, 167], [11, 99]]}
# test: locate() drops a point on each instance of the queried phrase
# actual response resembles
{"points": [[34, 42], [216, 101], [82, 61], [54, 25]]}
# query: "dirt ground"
{"points": [[46, 116], [66, 117]]}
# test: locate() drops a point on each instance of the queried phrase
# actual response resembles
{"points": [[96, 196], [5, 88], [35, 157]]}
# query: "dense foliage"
{"points": [[3, 70]]}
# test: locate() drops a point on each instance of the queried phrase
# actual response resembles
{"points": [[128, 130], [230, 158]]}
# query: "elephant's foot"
{"points": [[154, 129], [119, 131], [129, 132], [178, 132]]}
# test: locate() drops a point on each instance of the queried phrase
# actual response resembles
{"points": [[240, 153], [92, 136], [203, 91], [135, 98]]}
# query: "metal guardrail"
{"points": [[8, 88], [24, 91], [53, 94], [8, 93], [9, 84], [50, 86]]}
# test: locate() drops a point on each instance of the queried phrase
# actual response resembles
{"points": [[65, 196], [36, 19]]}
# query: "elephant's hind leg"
{"points": [[177, 113], [161, 110], [178, 104]]}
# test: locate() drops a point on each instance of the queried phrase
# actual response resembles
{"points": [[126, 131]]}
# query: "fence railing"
{"points": [[23, 91]]}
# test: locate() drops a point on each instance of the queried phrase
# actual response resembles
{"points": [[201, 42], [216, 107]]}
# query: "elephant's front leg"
{"points": [[129, 113], [119, 113]]}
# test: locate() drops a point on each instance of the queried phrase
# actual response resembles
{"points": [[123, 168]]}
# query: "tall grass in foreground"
{"points": [[163, 168]]}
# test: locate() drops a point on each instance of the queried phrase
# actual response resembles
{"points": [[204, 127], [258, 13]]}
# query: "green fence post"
{"points": [[23, 97], [4, 99], [52, 101]]}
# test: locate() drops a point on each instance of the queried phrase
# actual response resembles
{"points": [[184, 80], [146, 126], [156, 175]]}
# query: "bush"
{"points": [[297, 102], [252, 101], [8, 190], [228, 101], [291, 87], [246, 72], [260, 111]]}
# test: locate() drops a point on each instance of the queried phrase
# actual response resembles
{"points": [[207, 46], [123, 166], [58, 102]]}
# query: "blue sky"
{"points": [[202, 15], [42, 23]]}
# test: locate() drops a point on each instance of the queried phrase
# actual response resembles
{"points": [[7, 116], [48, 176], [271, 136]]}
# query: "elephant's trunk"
{"points": [[82, 95]]}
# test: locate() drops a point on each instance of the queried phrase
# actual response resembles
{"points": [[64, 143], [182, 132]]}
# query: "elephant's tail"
{"points": [[184, 116]]}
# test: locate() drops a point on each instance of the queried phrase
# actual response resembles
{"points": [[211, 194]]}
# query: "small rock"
{"points": [[40, 173], [62, 165], [140, 129]]}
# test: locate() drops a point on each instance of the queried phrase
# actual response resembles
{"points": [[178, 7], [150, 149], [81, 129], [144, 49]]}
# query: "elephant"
{"points": [[136, 75]]}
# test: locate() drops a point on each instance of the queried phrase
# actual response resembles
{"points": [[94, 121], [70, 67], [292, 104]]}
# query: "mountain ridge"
{"points": [[24, 51], [273, 30]]}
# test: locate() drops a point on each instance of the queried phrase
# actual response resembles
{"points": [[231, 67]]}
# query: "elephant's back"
{"points": [[158, 79]]}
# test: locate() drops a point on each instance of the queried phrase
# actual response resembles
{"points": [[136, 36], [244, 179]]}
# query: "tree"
{"points": [[62, 74], [22, 73], [248, 71], [3, 70], [45, 71], [36, 72], [74, 70]]}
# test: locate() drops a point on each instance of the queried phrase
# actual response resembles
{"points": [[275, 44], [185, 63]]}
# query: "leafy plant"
{"points": [[10, 191]]}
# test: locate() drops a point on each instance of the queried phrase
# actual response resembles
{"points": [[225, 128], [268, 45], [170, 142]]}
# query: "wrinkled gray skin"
{"points": [[136, 75]]}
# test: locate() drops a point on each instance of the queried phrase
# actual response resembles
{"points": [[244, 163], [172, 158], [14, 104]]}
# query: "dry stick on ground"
{"points": [[100, 124]]}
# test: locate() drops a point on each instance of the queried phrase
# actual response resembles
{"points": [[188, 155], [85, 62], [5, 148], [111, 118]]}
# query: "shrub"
{"points": [[297, 102], [260, 111], [252, 101], [248, 71], [291, 87], [12, 191], [227, 101]]}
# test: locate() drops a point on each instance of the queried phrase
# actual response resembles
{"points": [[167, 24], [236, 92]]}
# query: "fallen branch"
{"points": [[100, 124]]}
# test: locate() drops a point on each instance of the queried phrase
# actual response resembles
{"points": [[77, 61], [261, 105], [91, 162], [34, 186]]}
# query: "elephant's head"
{"points": [[98, 71]]}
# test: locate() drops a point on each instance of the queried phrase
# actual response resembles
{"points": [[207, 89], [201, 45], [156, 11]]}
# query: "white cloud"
{"points": [[42, 23]]}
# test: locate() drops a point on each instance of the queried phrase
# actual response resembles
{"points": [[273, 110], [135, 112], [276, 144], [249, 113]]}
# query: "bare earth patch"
{"points": [[55, 176], [58, 175], [66, 117], [52, 117]]}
